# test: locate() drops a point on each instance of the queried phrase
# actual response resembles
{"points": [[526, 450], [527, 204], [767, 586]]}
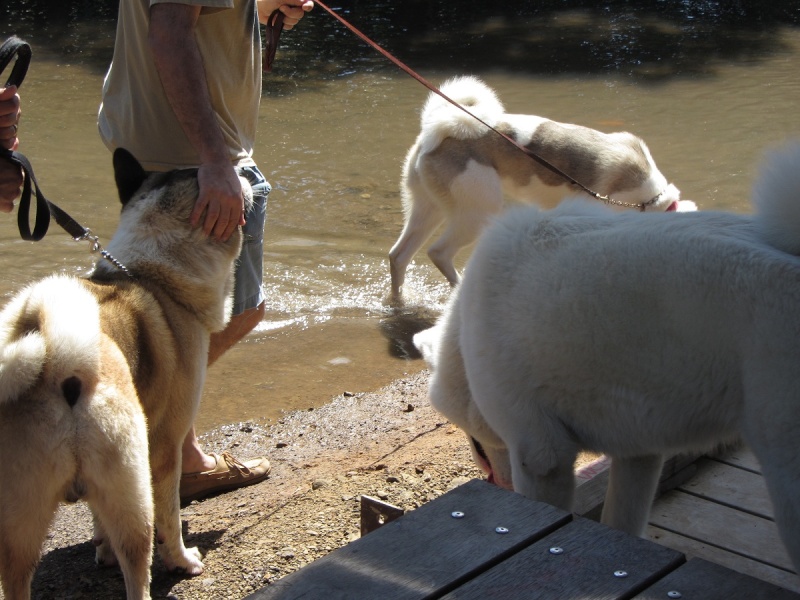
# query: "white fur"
{"points": [[68, 340], [634, 335], [462, 185]]}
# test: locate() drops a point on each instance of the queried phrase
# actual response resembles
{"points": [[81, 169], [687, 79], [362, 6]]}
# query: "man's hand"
{"points": [[9, 117], [220, 205], [293, 10], [10, 184], [10, 173]]}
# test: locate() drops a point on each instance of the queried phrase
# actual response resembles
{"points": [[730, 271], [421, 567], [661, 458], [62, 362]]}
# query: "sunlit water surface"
{"points": [[334, 129]]}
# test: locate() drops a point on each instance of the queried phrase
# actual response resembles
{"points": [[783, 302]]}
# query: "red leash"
{"points": [[274, 28], [272, 42]]}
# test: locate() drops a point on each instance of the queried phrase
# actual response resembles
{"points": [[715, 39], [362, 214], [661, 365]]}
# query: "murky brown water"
{"points": [[336, 122]]}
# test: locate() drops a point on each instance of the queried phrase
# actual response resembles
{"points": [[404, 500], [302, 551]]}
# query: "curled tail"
{"points": [[776, 198], [440, 119], [50, 333]]}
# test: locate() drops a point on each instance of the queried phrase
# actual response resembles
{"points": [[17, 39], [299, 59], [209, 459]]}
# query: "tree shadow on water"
{"points": [[647, 40]]}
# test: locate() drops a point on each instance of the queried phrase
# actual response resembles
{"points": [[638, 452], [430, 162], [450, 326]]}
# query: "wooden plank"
{"points": [[427, 551], [746, 534], [591, 482], [731, 486], [592, 561], [694, 548], [741, 457], [701, 579]]}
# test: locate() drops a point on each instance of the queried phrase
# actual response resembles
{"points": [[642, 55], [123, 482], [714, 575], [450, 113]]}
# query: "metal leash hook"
{"points": [[95, 247]]}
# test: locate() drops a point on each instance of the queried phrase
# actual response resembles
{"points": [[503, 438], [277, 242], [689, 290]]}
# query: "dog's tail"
{"points": [[440, 119], [776, 198], [49, 335]]}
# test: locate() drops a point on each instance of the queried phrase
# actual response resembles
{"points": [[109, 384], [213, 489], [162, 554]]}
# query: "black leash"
{"points": [[12, 47], [44, 208]]}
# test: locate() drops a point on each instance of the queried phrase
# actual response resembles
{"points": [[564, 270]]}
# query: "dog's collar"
{"points": [[652, 201], [641, 205]]}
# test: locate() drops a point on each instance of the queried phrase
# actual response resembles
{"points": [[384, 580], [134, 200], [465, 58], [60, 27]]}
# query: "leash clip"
{"points": [[95, 247], [94, 241]]}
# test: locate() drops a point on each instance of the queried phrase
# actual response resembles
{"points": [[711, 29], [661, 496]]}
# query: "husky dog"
{"points": [[458, 171], [633, 335], [100, 379]]}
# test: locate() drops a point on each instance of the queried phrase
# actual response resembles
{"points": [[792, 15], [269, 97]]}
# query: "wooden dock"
{"points": [[711, 537], [722, 513]]}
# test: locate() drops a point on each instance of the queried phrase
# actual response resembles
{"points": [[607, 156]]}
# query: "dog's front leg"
{"points": [[632, 486], [165, 465], [539, 474]]}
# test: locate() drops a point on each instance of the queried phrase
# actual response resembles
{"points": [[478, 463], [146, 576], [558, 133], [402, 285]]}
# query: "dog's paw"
{"points": [[190, 562], [686, 206], [103, 555]]}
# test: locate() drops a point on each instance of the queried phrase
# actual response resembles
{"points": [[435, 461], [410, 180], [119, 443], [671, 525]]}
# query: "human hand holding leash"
{"points": [[277, 16], [293, 11], [10, 173]]}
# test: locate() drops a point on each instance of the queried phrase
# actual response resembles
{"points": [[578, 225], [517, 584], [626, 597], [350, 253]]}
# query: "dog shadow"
{"points": [[401, 324], [87, 580]]}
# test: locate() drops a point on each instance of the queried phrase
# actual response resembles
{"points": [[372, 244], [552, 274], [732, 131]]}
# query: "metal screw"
{"points": [[674, 594], [556, 550], [620, 574], [457, 514], [501, 530]]}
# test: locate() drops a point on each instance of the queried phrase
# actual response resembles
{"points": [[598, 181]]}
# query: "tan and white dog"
{"points": [[633, 335], [458, 172], [97, 373]]}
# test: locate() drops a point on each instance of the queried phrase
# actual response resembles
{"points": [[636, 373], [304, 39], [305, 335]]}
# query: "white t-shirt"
{"points": [[135, 113]]}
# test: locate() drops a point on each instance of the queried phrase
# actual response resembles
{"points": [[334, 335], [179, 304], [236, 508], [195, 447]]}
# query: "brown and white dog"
{"points": [[458, 171], [100, 379]]}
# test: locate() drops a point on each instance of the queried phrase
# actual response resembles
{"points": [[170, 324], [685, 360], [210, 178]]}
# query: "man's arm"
{"points": [[183, 77]]}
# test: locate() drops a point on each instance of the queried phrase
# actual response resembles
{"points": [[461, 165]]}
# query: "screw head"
{"points": [[501, 530], [556, 550], [620, 574], [457, 514], [674, 594]]}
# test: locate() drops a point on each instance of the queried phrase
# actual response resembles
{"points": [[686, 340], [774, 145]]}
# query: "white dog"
{"points": [[458, 171], [634, 335]]}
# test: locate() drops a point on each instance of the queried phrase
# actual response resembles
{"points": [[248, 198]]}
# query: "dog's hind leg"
{"points": [[116, 476], [24, 521], [632, 486], [124, 523], [422, 219], [772, 437], [477, 196], [784, 492], [36, 466]]}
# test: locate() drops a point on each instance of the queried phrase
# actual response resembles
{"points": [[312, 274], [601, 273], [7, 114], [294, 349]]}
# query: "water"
{"points": [[708, 88]]}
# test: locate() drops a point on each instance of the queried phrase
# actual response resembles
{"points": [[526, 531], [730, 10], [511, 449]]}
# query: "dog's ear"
{"points": [[128, 174]]}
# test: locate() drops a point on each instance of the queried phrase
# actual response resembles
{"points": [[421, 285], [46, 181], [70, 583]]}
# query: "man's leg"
{"points": [[203, 473]]}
